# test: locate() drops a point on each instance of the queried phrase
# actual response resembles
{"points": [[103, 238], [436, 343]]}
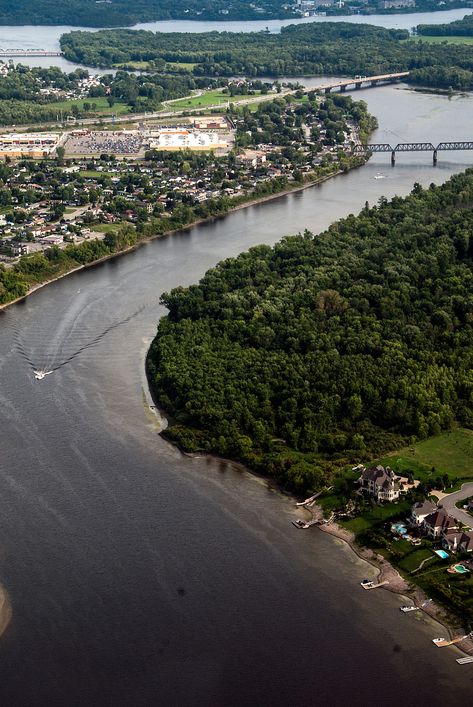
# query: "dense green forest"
{"points": [[459, 28], [330, 348], [103, 13], [342, 49]]}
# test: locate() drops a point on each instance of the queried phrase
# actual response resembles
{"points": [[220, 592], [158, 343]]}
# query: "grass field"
{"points": [[377, 516], [106, 227], [209, 98], [450, 453], [441, 39], [101, 103]]}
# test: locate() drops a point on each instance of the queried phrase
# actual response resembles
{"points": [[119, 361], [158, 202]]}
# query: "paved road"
{"points": [[448, 503]]}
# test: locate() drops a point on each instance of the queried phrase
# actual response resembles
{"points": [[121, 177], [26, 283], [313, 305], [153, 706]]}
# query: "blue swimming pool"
{"points": [[442, 554]]}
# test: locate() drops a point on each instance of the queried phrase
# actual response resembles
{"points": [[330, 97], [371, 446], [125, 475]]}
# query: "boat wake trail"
{"points": [[49, 351]]}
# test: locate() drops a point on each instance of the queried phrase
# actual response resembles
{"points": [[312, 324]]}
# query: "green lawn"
{"points": [[450, 453], [92, 174], [376, 516], [209, 98], [102, 106], [411, 561], [189, 66], [441, 39], [106, 227]]}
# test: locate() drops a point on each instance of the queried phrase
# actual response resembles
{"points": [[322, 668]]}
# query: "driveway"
{"points": [[448, 503]]}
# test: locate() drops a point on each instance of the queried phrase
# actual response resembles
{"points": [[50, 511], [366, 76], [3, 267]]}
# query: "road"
{"points": [[448, 504]]}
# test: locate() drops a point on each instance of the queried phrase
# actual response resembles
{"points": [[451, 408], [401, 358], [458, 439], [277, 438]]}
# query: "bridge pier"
{"points": [[327, 90], [393, 158], [434, 157], [343, 89], [358, 86]]}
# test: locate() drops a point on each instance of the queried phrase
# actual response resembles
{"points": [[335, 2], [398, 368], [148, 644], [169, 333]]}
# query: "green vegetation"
{"points": [[299, 50], [209, 98], [342, 344], [440, 40], [458, 28], [449, 453], [90, 13]]}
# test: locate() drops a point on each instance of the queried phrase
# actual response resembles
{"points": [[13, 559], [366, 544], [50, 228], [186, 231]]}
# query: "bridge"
{"points": [[358, 82], [414, 147], [15, 53]]}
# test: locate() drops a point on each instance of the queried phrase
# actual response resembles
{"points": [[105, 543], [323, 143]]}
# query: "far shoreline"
{"points": [[182, 229]]}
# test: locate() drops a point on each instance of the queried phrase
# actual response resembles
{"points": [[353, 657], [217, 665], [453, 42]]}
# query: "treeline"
{"points": [[101, 13], [324, 349], [459, 28], [342, 49]]}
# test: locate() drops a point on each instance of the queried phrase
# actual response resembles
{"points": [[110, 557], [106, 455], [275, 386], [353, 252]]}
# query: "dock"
{"points": [[371, 585], [441, 642], [464, 661]]}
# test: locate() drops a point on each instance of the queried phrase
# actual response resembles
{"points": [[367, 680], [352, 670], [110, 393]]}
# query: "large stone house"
{"points": [[438, 523], [458, 541], [380, 482]]}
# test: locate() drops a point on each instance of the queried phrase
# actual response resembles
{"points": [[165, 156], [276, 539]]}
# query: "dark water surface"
{"points": [[141, 577]]}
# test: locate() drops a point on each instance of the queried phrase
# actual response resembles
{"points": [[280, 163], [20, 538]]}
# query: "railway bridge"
{"points": [[413, 147], [17, 53]]}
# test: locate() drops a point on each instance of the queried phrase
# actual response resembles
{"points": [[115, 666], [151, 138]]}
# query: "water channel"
{"points": [[139, 576]]}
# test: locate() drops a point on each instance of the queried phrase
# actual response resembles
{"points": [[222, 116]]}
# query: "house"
{"points": [[438, 523], [420, 511], [380, 482], [458, 541]]}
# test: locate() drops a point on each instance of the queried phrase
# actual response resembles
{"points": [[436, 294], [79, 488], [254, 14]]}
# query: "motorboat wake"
{"points": [[39, 375]]}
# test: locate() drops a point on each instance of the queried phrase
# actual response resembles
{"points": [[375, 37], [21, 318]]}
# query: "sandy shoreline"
{"points": [[166, 234]]}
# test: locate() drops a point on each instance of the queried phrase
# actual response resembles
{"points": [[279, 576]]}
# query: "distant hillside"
{"points": [[115, 13], [328, 347]]}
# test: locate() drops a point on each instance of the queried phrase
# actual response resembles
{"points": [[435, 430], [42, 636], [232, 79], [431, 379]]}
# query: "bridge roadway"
{"points": [[16, 53], [414, 147], [358, 81]]}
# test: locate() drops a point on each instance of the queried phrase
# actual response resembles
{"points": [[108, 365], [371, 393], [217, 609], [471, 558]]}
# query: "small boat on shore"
{"points": [[405, 609]]}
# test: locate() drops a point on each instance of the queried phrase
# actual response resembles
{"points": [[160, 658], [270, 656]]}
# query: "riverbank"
{"points": [[5, 611], [182, 229]]}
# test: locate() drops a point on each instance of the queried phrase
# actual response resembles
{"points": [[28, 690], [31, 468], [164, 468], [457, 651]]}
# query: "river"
{"points": [[139, 576], [47, 37]]}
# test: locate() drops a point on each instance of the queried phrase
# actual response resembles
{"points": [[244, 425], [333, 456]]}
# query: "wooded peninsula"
{"points": [[338, 48], [298, 359]]}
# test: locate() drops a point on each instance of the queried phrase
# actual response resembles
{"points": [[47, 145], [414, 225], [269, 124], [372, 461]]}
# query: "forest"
{"points": [[104, 13], [342, 49], [328, 348], [459, 28]]}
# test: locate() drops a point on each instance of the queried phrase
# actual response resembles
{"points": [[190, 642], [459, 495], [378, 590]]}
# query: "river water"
{"points": [[139, 576]]}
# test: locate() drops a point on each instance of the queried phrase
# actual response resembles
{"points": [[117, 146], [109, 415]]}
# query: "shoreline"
{"points": [[182, 229], [397, 584], [5, 610]]}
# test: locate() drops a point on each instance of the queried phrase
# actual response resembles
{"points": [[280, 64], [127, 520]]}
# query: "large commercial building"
{"points": [[28, 144], [183, 139]]}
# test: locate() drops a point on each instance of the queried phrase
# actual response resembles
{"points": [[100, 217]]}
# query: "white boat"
{"points": [[409, 608], [39, 375], [380, 176]]}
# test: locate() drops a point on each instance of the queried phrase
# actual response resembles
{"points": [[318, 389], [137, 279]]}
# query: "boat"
{"points": [[39, 375], [380, 176], [405, 609]]}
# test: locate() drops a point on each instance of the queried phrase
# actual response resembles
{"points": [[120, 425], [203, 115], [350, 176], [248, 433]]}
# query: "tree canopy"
{"points": [[327, 347]]}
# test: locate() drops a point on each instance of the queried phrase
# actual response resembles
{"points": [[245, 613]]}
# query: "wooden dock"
{"points": [[371, 585]]}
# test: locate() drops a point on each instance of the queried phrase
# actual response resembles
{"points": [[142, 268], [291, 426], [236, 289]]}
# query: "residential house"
{"points": [[458, 541], [420, 511], [380, 482], [438, 523]]}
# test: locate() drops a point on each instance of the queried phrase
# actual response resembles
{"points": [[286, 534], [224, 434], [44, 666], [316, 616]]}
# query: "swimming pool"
{"points": [[442, 554], [461, 569]]}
